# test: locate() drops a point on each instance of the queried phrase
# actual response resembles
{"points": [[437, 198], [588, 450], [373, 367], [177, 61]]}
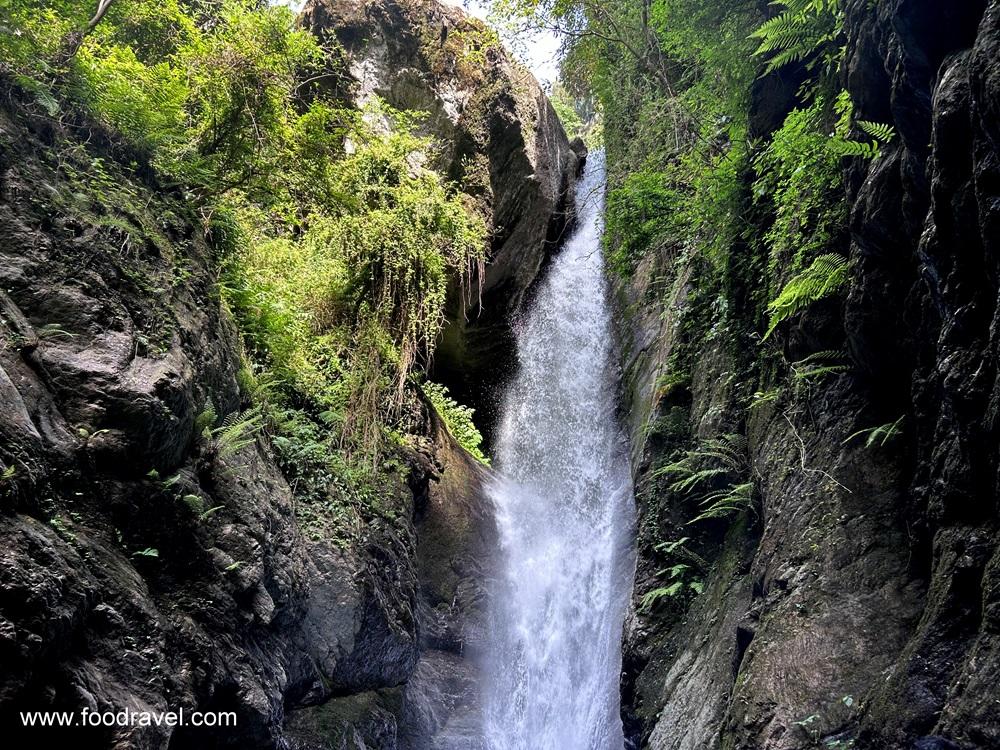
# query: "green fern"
{"points": [[673, 545], [457, 418], [699, 471], [818, 365], [759, 398], [825, 276], [205, 421], [880, 131], [880, 435], [238, 430], [804, 30], [650, 598], [731, 501], [214, 509], [860, 149], [195, 503], [677, 549]]}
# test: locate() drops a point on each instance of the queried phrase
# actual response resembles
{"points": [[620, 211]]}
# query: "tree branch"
{"points": [[74, 40]]}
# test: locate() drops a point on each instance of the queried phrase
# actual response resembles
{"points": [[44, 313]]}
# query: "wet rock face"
{"points": [[865, 596], [937, 688], [501, 141], [117, 590]]}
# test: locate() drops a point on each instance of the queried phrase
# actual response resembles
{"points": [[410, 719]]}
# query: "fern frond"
{"points": [[879, 435], [725, 503], [818, 365], [701, 471], [238, 430], [652, 597], [826, 275], [803, 29], [880, 131], [858, 149], [690, 482], [206, 419]]}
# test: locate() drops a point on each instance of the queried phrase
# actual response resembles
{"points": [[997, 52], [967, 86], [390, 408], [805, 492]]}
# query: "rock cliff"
{"points": [[860, 608]]}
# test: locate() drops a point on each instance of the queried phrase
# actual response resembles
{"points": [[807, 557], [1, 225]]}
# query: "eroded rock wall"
{"points": [[142, 568], [859, 608]]}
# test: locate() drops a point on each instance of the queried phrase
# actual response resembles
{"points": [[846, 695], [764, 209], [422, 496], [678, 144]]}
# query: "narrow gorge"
{"points": [[584, 375]]}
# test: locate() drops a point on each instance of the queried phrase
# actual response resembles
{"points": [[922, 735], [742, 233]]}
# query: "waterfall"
{"points": [[564, 511]]}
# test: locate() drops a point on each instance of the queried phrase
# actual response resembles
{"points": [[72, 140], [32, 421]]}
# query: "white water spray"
{"points": [[564, 511]]}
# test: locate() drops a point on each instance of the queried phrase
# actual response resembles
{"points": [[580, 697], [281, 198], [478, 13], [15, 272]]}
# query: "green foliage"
{"points": [[345, 311], [727, 502], [881, 132], [651, 598], [238, 430], [804, 30], [580, 116], [304, 453], [844, 145], [333, 493], [680, 135], [406, 238], [715, 474], [671, 83], [880, 435], [211, 100], [457, 418], [195, 503], [243, 77], [565, 107], [639, 215], [205, 420], [817, 366], [144, 102], [826, 275], [680, 574], [676, 588], [32, 34], [800, 173], [760, 398]]}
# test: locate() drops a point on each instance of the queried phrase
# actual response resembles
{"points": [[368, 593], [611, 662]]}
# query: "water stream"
{"points": [[564, 511]]}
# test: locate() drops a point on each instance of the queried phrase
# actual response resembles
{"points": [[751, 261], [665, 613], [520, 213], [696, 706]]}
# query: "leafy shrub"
{"points": [[346, 310], [406, 238], [457, 418], [143, 102], [242, 75], [640, 214]]}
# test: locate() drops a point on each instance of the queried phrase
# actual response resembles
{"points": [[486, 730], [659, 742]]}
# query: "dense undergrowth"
{"points": [[337, 244]]}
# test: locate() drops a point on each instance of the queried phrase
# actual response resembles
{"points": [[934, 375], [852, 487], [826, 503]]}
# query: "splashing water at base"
{"points": [[564, 512]]}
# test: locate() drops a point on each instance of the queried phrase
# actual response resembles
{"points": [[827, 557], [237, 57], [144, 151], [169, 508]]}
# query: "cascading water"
{"points": [[564, 510]]}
